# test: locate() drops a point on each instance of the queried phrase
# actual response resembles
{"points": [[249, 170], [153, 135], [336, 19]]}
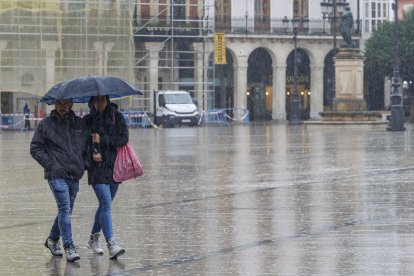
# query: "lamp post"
{"points": [[246, 16], [285, 22], [397, 112], [295, 115]]}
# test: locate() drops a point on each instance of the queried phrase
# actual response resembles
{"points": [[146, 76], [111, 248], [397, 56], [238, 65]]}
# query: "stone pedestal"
{"points": [[349, 76], [349, 103]]}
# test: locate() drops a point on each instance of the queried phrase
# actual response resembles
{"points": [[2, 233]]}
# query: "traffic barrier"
{"points": [[137, 119], [224, 116], [16, 121]]}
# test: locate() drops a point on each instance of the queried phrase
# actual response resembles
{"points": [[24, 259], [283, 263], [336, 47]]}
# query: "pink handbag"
{"points": [[127, 165]]}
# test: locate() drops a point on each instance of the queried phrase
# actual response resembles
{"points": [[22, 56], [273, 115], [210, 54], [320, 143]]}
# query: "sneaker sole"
{"points": [[73, 260], [56, 255], [93, 251], [119, 253]]}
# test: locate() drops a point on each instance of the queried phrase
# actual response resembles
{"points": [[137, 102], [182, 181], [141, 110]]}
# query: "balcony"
{"points": [[230, 25], [269, 26], [155, 28]]}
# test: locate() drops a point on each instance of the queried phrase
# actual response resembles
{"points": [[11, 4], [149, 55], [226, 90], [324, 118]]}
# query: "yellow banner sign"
{"points": [[220, 48]]}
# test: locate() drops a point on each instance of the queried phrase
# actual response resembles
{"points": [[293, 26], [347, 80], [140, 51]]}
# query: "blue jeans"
{"points": [[65, 191], [103, 216]]}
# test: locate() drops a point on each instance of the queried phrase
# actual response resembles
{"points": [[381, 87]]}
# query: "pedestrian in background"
{"points": [[26, 112], [58, 145], [108, 132]]}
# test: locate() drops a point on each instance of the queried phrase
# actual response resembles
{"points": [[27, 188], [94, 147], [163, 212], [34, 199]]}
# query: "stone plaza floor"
{"points": [[252, 199]]}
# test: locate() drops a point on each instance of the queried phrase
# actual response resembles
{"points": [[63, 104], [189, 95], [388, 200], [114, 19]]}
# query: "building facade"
{"points": [[160, 44], [258, 74]]}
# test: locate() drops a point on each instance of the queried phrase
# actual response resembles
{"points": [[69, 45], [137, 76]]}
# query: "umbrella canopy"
{"points": [[83, 88]]}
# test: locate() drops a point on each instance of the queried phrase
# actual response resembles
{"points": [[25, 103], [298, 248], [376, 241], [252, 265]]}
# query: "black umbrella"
{"points": [[83, 88]]}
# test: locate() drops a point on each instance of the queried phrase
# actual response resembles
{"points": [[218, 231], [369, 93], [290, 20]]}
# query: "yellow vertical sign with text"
{"points": [[220, 48]]}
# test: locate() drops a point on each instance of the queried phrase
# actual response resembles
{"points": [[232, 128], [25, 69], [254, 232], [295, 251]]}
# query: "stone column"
{"points": [[240, 89], [49, 47], [199, 73], [154, 49], [206, 86], [107, 48], [102, 50], [99, 46], [279, 92], [316, 90], [3, 45]]}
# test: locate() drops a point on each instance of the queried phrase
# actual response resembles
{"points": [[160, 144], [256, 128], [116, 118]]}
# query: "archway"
{"points": [[259, 85], [303, 81], [328, 81]]}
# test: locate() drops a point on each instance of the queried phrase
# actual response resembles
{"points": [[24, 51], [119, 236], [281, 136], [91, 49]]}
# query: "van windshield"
{"points": [[178, 99]]}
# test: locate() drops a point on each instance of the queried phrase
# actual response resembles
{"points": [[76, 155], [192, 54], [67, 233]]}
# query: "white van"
{"points": [[175, 108]]}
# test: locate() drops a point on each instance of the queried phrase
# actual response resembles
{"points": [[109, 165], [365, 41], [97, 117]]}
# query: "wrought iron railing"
{"points": [[234, 25]]}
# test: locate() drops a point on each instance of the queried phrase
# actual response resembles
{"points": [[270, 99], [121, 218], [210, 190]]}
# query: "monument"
{"points": [[349, 103]]}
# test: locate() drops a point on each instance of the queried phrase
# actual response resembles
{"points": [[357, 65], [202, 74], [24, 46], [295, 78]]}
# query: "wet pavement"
{"points": [[242, 200]]}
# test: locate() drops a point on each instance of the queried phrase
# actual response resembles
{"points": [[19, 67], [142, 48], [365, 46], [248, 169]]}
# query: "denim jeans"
{"points": [[65, 191], [103, 216]]}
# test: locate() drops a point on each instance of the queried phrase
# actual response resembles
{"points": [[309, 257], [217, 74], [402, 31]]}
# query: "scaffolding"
{"points": [[174, 49], [44, 42], [152, 45]]}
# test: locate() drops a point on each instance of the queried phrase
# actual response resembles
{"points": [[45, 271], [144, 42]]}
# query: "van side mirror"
{"points": [[195, 101]]}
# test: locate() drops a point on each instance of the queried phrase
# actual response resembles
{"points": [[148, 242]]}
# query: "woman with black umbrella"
{"points": [[108, 132]]}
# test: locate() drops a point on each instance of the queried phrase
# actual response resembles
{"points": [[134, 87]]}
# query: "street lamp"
{"points": [[246, 15], [330, 10], [397, 112], [295, 114], [285, 22]]}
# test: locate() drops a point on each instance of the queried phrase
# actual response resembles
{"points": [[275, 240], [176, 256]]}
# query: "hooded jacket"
{"points": [[58, 145], [113, 131]]}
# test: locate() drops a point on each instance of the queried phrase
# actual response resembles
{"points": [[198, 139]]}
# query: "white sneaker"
{"points": [[93, 244], [54, 247], [114, 249], [71, 254]]}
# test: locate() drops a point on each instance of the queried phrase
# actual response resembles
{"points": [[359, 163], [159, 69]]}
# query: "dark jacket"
{"points": [[58, 145], [112, 128]]}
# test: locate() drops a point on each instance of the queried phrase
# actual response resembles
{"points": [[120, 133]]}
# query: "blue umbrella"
{"points": [[83, 88]]}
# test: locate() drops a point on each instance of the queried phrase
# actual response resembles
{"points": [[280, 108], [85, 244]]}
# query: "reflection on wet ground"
{"points": [[241, 200]]}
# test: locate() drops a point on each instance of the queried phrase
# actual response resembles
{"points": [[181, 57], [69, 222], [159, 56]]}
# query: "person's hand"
{"points": [[97, 157], [96, 138]]}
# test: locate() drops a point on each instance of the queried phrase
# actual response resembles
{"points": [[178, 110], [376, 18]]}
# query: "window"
{"points": [[301, 8], [145, 10], [76, 5], [222, 14], [373, 10], [163, 10], [179, 9], [262, 11], [379, 10]]}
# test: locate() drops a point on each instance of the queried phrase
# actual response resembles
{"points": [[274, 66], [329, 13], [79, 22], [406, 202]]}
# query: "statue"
{"points": [[347, 23]]}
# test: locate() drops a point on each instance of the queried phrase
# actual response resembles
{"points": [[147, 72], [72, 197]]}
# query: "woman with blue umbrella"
{"points": [[108, 132]]}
